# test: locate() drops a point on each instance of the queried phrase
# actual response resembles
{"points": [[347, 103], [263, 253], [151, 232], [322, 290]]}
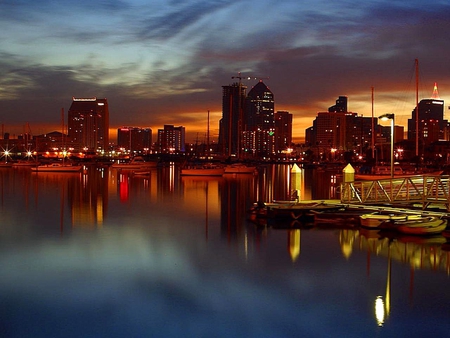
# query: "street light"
{"points": [[386, 117]]}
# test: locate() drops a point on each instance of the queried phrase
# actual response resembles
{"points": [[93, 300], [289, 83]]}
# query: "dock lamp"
{"points": [[386, 117]]}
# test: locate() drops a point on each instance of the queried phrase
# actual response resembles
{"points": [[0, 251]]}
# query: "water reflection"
{"points": [[135, 247]]}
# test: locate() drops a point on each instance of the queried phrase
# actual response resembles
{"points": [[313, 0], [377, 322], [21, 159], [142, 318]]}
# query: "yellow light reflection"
{"points": [[294, 244], [379, 311]]}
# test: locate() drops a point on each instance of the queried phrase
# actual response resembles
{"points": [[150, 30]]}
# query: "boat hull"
{"points": [[426, 226], [57, 168], [375, 220], [239, 169], [303, 212], [202, 172]]}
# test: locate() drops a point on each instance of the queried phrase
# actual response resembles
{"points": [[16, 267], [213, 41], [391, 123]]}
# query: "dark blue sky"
{"points": [[164, 62]]}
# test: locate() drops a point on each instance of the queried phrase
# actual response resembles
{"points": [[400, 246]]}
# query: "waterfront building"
{"points": [[134, 139], [332, 129], [342, 130], [171, 140], [259, 118], [340, 106], [231, 126], [283, 131], [362, 133], [88, 124], [431, 125]]}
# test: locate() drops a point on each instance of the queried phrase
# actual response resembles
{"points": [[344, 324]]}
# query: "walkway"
{"points": [[418, 189]]}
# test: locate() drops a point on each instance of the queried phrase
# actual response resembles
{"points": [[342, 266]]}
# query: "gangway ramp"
{"points": [[424, 189]]}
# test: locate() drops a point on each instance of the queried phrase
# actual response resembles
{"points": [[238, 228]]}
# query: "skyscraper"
{"points": [[260, 118], [88, 124], [283, 131], [134, 139], [231, 124], [171, 139], [335, 128], [431, 123], [340, 106]]}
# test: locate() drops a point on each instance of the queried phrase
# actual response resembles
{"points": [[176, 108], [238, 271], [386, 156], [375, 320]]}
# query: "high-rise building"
{"points": [[259, 118], [231, 124], [338, 129], [88, 124], [431, 124], [283, 131], [134, 139], [340, 106], [333, 130], [171, 139]]}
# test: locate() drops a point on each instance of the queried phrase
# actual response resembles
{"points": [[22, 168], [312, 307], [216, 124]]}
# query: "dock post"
{"points": [[348, 177]]}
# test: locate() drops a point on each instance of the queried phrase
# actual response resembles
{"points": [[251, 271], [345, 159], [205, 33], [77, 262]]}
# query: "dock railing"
{"points": [[417, 189]]}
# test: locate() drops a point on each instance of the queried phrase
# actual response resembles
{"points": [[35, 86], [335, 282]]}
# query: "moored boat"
{"points": [[25, 163], [239, 168], [343, 217], [206, 169], [136, 162], [376, 219], [300, 211], [57, 167], [427, 225]]}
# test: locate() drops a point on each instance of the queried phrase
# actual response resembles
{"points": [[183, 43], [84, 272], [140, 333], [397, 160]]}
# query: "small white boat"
{"points": [[239, 168], [57, 167], [137, 162]]}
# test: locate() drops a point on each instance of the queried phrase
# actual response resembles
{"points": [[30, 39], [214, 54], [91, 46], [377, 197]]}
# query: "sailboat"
{"points": [[58, 166], [203, 168]]}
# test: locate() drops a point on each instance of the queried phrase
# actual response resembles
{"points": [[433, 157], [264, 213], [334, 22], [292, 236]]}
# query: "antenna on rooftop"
{"points": [[435, 94]]}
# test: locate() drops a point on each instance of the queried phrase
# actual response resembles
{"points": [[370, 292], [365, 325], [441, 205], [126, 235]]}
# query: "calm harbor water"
{"points": [[112, 254]]}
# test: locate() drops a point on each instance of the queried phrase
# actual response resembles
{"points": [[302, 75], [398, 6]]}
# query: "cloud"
{"points": [[167, 61]]}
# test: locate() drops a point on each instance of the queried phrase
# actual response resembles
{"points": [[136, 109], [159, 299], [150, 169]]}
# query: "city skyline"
{"points": [[165, 63]]}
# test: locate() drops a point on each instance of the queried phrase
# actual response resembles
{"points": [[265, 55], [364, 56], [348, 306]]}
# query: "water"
{"points": [[110, 254]]}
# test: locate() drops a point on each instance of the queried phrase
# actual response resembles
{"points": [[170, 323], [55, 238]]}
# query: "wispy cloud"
{"points": [[169, 59]]}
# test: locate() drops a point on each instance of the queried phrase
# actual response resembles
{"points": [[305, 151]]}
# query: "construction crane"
{"points": [[240, 77]]}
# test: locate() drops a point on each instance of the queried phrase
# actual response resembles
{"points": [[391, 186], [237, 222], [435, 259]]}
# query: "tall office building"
{"points": [[231, 124], [134, 139], [431, 123], [340, 106], [88, 124], [283, 131], [335, 128], [259, 118], [171, 139]]}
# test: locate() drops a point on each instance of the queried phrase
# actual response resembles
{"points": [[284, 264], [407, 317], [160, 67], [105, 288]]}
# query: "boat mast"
{"points": [[417, 107], [207, 139], [373, 132], [63, 141]]}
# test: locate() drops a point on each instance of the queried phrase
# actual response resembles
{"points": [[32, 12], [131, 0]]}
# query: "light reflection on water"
{"points": [[114, 254]]}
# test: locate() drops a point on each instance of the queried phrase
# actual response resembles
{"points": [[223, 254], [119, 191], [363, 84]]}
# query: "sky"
{"points": [[165, 62]]}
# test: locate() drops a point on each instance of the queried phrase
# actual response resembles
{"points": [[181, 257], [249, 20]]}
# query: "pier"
{"points": [[424, 190]]}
